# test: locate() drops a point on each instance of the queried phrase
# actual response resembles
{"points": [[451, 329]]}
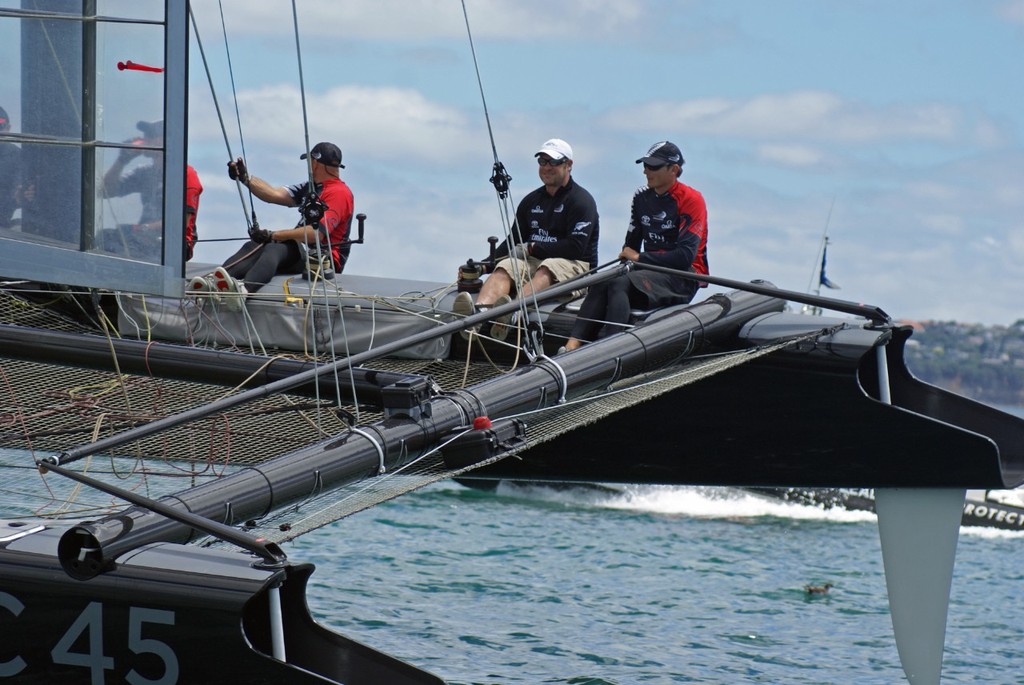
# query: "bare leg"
{"points": [[542, 279], [497, 284], [588, 321]]}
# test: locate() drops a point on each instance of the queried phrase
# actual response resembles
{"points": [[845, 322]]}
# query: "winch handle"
{"points": [[360, 227]]}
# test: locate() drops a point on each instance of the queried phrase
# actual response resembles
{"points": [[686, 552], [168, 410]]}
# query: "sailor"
{"points": [[268, 253], [193, 189], [143, 238], [10, 172], [554, 238], [668, 227]]}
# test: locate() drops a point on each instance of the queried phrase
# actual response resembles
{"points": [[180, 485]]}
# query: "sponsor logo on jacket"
{"points": [[541, 235]]}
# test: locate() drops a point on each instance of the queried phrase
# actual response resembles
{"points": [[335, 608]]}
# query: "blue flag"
{"points": [[824, 279]]}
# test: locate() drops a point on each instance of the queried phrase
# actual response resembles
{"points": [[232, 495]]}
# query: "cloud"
{"points": [[396, 124], [1012, 11], [791, 155], [806, 115]]}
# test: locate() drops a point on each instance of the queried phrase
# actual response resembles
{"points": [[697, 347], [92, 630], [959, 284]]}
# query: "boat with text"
{"points": [[162, 448], [999, 509]]}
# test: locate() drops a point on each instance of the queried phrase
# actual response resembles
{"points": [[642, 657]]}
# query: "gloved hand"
{"points": [[238, 172], [260, 235], [520, 251]]}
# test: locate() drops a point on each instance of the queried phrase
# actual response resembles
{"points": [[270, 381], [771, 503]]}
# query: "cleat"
{"points": [[199, 284], [223, 281], [235, 301]]}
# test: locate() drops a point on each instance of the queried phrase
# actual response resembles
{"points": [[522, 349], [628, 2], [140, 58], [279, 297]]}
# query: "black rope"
{"points": [[501, 180], [302, 94], [216, 105], [313, 209], [254, 224]]}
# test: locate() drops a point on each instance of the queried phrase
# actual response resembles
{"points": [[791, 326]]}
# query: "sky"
{"points": [[897, 128]]}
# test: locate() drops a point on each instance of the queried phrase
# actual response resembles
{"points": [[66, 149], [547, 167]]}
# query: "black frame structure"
{"points": [[58, 237]]}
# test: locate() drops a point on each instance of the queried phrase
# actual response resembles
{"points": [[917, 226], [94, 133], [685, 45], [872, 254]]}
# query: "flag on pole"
{"points": [[823, 278]]}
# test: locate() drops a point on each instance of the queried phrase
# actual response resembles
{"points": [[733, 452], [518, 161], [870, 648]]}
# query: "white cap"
{"points": [[556, 148]]}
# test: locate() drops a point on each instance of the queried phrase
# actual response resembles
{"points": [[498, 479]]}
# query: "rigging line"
{"points": [[480, 83], [235, 94], [312, 196], [368, 493], [310, 311], [876, 314], [711, 363], [302, 96], [536, 305], [331, 343], [500, 178], [216, 106]]}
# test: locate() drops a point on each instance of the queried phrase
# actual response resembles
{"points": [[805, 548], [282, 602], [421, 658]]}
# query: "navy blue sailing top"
{"points": [[561, 225]]}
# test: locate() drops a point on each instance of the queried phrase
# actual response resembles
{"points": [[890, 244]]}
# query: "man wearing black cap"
{"points": [[146, 180], [143, 237], [668, 227], [268, 253], [10, 172]]}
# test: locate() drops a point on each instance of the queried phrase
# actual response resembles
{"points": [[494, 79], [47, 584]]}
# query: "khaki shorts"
{"points": [[561, 269]]}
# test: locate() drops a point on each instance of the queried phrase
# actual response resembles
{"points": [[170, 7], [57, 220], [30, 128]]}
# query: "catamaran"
{"points": [[165, 446]]}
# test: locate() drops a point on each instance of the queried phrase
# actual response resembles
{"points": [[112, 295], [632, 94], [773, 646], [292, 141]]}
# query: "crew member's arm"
{"points": [[277, 195], [305, 234], [112, 179], [635, 232]]}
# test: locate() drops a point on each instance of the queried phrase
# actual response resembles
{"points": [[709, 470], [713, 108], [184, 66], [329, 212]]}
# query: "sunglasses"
{"points": [[654, 167], [547, 161]]}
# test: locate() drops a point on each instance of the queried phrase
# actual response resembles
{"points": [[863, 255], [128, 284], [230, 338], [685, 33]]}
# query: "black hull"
{"points": [[172, 615], [809, 418]]}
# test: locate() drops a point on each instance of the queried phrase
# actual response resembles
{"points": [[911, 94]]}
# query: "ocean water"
{"points": [[651, 585]]}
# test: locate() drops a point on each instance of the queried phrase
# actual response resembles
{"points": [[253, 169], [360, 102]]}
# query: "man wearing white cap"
{"points": [[554, 238]]}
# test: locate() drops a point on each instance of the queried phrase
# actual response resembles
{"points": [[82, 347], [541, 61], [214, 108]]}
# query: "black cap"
{"points": [[151, 129], [327, 154], [663, 153]]}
